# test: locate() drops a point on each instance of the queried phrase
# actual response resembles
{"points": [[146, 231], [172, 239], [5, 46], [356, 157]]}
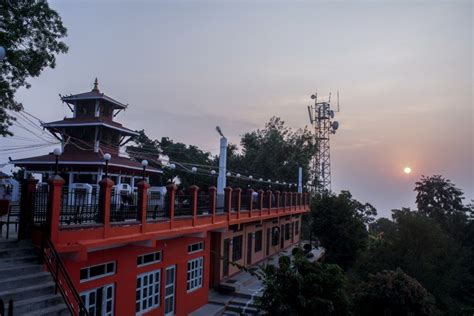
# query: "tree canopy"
{"points": [[30, 33]]}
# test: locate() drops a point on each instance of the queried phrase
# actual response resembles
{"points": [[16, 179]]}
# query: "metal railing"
{"points": [[62, 280], [124, 207], [244, 202], [204, 204], [40, 204], [79, 208], [234, 201], [255, 202], [156, 208], [183, 205]]}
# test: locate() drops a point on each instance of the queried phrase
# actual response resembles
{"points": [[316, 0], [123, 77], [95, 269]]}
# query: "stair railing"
{"points": [[62, 279]]}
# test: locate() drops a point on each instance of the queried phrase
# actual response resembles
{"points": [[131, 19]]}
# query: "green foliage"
{"points": [[339, 223], [304, 288], [274, 152], [31, 33], [393, 293]]}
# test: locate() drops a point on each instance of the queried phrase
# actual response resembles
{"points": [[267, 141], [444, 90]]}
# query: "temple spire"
{"points": [[96, 85]]}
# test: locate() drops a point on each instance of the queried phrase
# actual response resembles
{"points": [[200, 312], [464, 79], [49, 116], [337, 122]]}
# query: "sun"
{"points": [[407, 170]]}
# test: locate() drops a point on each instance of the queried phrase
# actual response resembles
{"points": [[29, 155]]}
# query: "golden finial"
{"points": [[96, 85]]}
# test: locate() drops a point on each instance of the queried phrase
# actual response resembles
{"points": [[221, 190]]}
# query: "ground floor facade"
{"points": [[173, 276]]}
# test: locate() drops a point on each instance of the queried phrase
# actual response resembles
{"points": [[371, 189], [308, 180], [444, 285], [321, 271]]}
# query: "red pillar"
{"points": [[285, 201], [260, 201], [277, 199], [170, 194], [143, 187], [212, 196], [194, 195], [239, 202], [27, 205], [250, 198], [269, 194], [54, 207], [104, 204], [228, 201]]}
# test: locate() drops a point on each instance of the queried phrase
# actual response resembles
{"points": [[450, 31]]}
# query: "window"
{"points": [[237, 248], [297, 227], [258, 241], [98, 271], [195, 269], [287, 231], [275, 236], [148, 291], [196, 247], [149, 258], [99, 301]]}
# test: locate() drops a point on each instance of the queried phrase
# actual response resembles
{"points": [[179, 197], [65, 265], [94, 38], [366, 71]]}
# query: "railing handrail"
{"points": [[56, 268]]}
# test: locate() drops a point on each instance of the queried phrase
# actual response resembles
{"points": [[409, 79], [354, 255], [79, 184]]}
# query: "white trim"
{"points": [[195, 275], [152, 292], [152, 262], [196, 243], [98, 276], [90, 124]]}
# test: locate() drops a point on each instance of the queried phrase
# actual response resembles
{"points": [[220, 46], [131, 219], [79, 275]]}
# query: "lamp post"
{"points": [[194, 170], [107, 158], [172, 167], [144, 164], [213, 173], [57, 152], [238, 179], [250, 178]]}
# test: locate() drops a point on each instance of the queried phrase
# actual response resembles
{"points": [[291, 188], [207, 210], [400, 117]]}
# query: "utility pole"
{"points": [[321, 116]]}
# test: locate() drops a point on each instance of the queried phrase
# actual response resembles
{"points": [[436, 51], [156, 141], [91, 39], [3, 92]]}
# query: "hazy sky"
{"points": [[404, 71]]}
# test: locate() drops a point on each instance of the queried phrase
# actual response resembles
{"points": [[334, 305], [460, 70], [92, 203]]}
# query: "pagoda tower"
{"points": [[85, 137]]}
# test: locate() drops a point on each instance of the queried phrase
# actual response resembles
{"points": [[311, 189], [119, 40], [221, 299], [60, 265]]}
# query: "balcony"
{"points": [[88, 221]]}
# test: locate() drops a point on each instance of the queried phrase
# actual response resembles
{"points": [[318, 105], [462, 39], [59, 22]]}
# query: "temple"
{"points": [[146, 251]]}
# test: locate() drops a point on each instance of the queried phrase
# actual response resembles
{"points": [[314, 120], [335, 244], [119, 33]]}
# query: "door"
{"points": [[249, 248], [99, 301], [225, 267], [282, 236], [269, 236], [170, 281]]}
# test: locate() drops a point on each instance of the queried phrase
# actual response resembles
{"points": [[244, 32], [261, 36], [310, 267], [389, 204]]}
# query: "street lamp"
{"points": [[172, 167], [194, 170], [57, 152], [107, 158], [213, 173], [144, 164]]}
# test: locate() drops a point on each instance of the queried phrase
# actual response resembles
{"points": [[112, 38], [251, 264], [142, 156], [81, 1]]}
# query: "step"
{"points": [[26, 292], [6, 244], [36, 303], [5, 262], [24, 280], [6, 272], [59, 309], [16, 252], [240, 309], [243, 302]]}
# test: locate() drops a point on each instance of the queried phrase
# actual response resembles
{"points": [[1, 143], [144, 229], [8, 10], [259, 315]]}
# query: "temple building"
{"points": [[85, 137]]}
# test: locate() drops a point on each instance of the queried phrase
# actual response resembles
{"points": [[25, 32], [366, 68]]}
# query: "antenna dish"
{"points": [[331, 113], [310, 114], [335, 125], [313, 96]]}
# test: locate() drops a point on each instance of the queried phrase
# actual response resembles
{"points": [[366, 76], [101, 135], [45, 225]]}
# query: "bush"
{"points": [[307, 248]]}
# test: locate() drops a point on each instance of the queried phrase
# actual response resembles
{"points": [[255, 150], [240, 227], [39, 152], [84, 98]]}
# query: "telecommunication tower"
{"points": [[321, 116]]}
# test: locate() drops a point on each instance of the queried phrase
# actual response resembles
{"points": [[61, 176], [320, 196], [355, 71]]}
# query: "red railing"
{"points": [[62, 280]]}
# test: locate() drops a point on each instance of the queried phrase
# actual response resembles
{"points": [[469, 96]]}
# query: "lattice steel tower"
{"points": [[321, 117]]}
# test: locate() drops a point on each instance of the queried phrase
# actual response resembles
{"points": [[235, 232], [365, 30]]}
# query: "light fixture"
{"points": [[57, 152], [107, 158], [194, 169], [144, 164], [228, 174]]}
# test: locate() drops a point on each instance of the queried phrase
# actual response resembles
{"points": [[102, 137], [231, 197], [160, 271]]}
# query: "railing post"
{"points": [[277, 200], [228, 201], [170, 196], [285, 201], [27, 207], [269, 194], [260, 201], [212, 197], [250, 200], [105, 197], [54, 207], [194, 196], [239, 202], [143, 187]]}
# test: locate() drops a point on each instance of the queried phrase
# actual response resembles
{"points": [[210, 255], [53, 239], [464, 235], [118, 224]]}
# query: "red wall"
{"points": [[174, 252]]}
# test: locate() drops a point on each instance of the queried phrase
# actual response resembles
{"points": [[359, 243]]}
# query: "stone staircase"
{"points": [[24, 280], [241, 304]]}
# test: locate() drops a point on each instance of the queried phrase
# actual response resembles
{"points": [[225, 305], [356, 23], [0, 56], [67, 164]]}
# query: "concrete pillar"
{"points": [[212, 196], [239, 202], [27, 206], [54, 207], [250, 200], [104, 203], [143, 187], [228, 201], [260, 201], [170, 196], [221, 179]]}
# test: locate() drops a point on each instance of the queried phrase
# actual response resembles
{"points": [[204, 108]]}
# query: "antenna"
{"points": [[322, 119]]}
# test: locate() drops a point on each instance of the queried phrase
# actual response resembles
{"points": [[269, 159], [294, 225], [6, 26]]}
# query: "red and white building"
{"points": [[134, 256]]}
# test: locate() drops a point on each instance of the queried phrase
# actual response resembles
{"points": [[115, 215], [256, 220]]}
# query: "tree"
{"points": [[274, 152], [339, 223], [441, 200], [393, 293], [30, 33], [304, 288]]}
